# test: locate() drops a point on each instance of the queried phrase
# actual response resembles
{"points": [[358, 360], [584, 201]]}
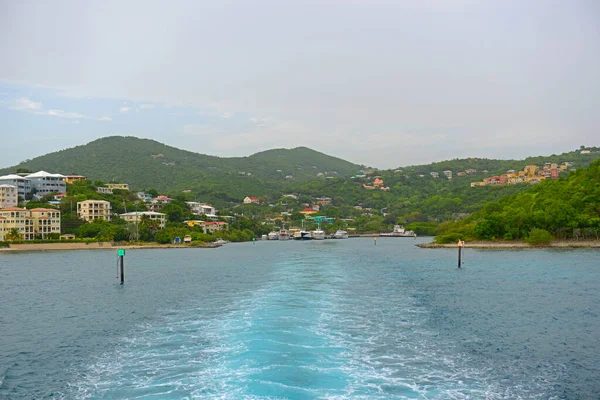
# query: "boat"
{"points": [[318, 234], [274, 235], [284, 235], [263, 237], [398, 231], [303, 235], [340, 234], [220, 242]]}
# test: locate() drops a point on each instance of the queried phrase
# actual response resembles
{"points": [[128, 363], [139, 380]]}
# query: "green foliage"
{"points": [[423, 228], [5, 244], [145, 163], [539, 237], [566, 208]]}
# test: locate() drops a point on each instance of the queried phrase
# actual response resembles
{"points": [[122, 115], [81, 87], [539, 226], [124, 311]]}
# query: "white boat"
{"points": [[318, 234], [274, 235], [220, 241], [340, 234], [398, 231], [284, 235], [264, 237]]}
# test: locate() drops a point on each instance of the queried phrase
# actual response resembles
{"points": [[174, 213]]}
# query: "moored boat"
{"points": [[399, 231], [340, 234], [274, 235], [318, 234], [284, 235], [303, 235]]}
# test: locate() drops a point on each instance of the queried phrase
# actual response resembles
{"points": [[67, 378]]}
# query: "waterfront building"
{"points": [[45, 221], [31, 224], [90, 210]]}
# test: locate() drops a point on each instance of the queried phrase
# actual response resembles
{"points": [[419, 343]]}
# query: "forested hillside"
{"points": [[565, 208], [145, 163]]}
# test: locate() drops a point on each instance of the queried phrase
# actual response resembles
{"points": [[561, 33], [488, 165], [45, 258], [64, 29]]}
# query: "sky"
{"points": [[377, 82]]}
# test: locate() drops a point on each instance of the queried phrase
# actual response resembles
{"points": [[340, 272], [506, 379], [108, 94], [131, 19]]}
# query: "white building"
{"points": [[90, 210], [448, 174], [45, 183], [23, 184], [434, 174], [137, 216], [9, 196], [201, 208]]}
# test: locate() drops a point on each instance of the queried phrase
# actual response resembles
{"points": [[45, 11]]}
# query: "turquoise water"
{"points": [[333, 319]]}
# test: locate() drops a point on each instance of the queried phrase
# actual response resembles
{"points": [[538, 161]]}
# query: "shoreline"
{"points": [[557, 244], [24, 247]]}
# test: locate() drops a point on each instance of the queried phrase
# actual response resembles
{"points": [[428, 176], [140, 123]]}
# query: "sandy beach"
{"points": [[97, 246]]}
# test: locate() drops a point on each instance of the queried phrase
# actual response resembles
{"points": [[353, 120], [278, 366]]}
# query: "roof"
{"points": [[8, 186], [63, 194], [44, 174], [13, 209], [215, 223], [44, 209], [94, 201], [134, 213], [10, 177], [253, 198]]}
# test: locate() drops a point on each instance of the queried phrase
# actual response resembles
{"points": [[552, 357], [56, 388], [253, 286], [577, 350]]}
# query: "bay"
{"points": [[330, 319]]}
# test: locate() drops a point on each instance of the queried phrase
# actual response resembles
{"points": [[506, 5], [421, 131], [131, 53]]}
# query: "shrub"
{"points": [[539, 237]]}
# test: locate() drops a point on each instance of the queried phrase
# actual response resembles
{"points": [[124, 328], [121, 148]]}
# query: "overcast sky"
{"points": [[381, 83]]}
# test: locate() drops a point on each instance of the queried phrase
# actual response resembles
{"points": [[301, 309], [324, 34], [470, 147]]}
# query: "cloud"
{"points": [[27, 105], [63, 114], [226, 115], [145, 106], [37, 108], [124, 109]]}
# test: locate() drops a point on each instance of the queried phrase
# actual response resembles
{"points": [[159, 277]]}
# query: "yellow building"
{"points": [[530, 169], [45, 221], [74, 178], [90, 210], [38, 222]]}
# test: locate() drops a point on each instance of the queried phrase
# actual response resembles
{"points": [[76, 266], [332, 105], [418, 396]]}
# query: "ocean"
{"points": [[335, 319]]}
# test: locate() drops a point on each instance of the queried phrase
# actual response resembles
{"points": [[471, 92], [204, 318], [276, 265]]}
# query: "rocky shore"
{"points": [[557, 244]]}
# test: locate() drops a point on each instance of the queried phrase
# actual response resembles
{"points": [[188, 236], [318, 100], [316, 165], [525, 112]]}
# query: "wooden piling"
{"points": [[460, 246]]}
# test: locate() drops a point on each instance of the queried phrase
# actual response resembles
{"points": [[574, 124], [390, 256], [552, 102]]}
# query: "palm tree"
{"points": [[14, 235]]}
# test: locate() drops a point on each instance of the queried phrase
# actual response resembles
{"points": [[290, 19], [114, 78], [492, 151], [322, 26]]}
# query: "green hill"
{"points": [[145, 163], [566, 208]]}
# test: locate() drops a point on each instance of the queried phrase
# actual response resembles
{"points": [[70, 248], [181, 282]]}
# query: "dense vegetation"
{"points": [[146, 164], [426, 204], [564, 209]]}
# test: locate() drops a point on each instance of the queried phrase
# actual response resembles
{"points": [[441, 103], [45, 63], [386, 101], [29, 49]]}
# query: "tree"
{"points": [[539, 237], [14, 235]]}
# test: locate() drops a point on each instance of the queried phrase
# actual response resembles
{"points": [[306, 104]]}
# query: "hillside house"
{"points": [[251, 200]]}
